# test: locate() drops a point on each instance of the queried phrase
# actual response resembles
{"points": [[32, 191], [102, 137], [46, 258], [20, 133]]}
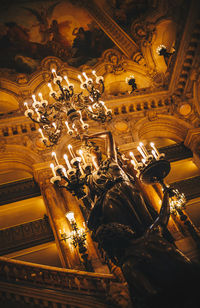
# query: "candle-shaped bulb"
{"points": [[86, 77], [54, 125], [141, 152], [106, 109], [67, 161], [154, 154], [53, 170], [34, 99], [64, 172], [66, 123], [41, 132], [54, 156], [143, 149], [134, 160], [90, 108], [70, 216], [94, 73], [154, 148], [67, 80], [71, 151], [54, 73], [80, 78], [133, 163], [40, 95], [26, 105], [82, 156], [50, 86]]}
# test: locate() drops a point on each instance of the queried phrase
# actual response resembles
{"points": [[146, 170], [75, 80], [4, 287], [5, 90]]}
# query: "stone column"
{"points": [[56, 213], [192, 141], [72, 204]]}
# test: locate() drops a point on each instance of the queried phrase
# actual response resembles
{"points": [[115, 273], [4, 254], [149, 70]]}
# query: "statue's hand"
{"points": [[170, 191], [85, 137]]}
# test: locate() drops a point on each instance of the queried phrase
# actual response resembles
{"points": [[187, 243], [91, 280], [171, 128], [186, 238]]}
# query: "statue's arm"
{"points": [[111, 150]]}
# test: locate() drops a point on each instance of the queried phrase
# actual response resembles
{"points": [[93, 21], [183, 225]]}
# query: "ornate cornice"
{"points": [[190, 187], [176, 152], [20, 190], [25, 235]]}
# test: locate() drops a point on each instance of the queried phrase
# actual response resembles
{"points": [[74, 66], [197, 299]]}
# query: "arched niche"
{"points": [[16, 163], [116, 83], [164, 127], [168, 131], [165, 35], [8, 102]]}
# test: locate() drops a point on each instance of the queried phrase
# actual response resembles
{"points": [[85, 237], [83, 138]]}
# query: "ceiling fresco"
{"points": [[33, 30], [75, 32]]}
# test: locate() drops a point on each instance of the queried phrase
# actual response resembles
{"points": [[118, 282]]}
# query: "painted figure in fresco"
{"points": [[81, 47], [42, 16], [125, 230], [59, 44]]}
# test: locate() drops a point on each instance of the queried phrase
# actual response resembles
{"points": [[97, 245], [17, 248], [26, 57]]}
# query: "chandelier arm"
{"points": [[102, 85], [35, 121], [61, 88]]}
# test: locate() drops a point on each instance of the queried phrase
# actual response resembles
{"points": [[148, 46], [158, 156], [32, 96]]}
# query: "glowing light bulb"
{"points": [[53, 170], [55, 157], [70, 216]]}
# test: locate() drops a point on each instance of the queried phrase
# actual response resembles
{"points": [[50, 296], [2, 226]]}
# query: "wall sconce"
{"points": [[162, 51], [78, 239], [131, 82], [177, 202]]}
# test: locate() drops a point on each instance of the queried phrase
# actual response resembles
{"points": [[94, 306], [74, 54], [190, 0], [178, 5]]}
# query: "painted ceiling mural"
{"points": [[33, 30]]}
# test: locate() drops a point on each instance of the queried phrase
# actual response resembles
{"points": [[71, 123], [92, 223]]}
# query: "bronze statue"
{"points": [[113, 192], [122, 225]]}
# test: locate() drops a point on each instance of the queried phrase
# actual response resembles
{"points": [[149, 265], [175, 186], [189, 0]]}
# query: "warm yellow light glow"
{"points": [[33, 97], [70, 216], [52, 168], [82, 156], [71, 151], [67, 161], [54, 156], [40, 130]]}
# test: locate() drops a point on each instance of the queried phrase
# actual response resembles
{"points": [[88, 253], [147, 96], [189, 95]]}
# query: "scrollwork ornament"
{"points": [[114, 62], [143, 32]]}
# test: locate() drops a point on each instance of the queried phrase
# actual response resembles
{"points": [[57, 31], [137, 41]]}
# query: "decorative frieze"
{"points": [[190, 187], [20, 190], [25, 235]]}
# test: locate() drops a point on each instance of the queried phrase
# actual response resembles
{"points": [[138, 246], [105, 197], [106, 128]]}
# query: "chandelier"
{"points": [[152, 168], [78, 166], [68, 108]]}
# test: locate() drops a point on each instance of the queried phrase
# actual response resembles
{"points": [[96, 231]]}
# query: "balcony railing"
{"points": [[34, 275]]}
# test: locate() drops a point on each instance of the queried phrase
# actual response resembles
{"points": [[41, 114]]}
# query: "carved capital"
{"points": [[42, 174], [192, 140]]}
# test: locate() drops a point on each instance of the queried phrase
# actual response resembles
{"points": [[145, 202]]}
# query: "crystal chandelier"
{"points": [[68, 107]]}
